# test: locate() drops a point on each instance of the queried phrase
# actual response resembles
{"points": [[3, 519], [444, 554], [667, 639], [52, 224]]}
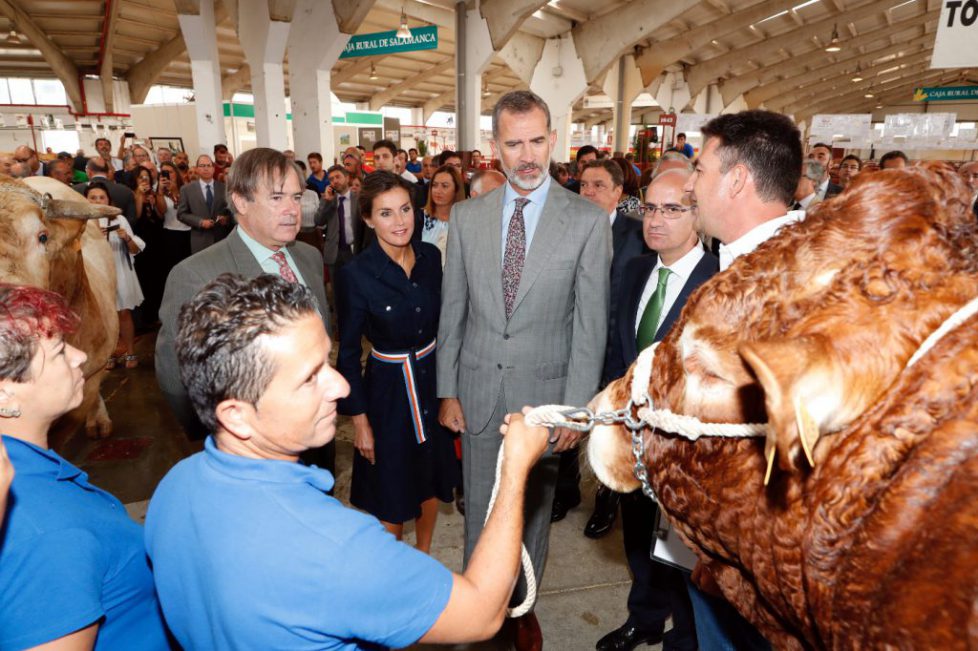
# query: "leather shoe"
{"points": [[605, 511], [460, 500], [529, 637], [560, 508], [627, 637]]}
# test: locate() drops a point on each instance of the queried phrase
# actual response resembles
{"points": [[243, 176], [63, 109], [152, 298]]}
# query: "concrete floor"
{"points": [[586, 583]]}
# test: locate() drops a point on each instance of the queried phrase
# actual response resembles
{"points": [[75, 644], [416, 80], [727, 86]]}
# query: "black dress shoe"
{"points": [[561, 506], [627, 637], [605, 511]]}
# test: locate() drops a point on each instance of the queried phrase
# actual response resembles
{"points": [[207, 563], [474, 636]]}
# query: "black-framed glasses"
{"points": [[668, 210]]}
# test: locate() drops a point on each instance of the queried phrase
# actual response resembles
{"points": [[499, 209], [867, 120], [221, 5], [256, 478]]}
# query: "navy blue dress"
{"points": [[415, 455]]}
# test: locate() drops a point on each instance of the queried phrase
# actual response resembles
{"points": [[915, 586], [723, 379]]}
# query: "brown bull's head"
{"points": [[809, 330], [41, 221]]}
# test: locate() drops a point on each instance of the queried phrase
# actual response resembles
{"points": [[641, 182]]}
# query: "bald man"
{"points": [[28, 157], [485, 181]]}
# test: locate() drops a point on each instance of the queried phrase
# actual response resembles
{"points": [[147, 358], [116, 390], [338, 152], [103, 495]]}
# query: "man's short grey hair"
{"points": [[674, 156], [813, 170], [20, 170], [97, 165], [519, 102]]}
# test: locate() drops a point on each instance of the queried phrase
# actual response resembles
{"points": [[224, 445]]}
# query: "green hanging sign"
{"points": [[945, 94], [365, 45]]}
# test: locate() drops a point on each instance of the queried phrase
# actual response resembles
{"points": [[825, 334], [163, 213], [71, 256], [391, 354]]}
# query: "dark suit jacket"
{"points": [[833, 190], [621, 344], [192, 210], [188, 277], [121, 196]]}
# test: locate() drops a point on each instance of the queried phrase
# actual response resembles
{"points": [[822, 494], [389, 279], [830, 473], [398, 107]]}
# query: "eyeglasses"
{"points": [[668, 210]]}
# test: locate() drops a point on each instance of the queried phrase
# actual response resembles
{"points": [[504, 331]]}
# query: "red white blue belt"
{"points": [[406, 360]]}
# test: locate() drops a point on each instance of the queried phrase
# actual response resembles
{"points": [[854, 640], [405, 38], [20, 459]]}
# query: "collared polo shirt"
{"points": [[253, 554], [70, 556]]}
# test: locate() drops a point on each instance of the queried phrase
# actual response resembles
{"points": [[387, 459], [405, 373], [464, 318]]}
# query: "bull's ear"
{"points": [[59, 209], [792, 373]]}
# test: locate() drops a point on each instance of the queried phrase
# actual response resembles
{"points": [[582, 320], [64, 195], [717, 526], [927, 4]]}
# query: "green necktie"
{"points": [[650, 317]]}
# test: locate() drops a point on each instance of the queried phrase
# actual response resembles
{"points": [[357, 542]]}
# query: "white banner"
{"points": [[693, 122], [957, 29]]}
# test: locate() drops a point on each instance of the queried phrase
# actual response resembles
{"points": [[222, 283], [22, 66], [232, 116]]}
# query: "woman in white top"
{"points": [[128, 293], [444, 190], [176, 234]]}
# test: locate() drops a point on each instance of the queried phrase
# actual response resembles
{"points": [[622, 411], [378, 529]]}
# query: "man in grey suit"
{"points": [[121, 196], [204, 208], [339, 211], [265, 189], [524, 316]]}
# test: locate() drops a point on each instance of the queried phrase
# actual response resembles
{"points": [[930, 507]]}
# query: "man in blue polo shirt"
{"points": [[249, 551]]}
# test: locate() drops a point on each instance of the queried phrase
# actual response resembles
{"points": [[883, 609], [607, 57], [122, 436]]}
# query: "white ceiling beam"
{"points": [[232, 83], [381, 98], [504, 17], [856, 93], [702, 74], [350, 14], [106, 70]]}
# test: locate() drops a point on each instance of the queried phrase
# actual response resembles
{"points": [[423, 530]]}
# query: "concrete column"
{"points": [[263, 41], [623, 83], [200, 36], [560, 80], [474, 52], [314, 46]]}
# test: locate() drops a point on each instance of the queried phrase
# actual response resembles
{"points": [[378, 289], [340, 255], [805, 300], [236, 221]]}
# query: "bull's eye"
{"points": [[42, 237]]}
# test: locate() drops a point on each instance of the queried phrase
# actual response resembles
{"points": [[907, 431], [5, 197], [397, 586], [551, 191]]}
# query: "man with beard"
{"points": [[523, 320]]}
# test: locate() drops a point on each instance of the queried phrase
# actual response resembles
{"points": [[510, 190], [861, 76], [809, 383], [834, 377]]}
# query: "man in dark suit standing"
{"points": [[122, 198], [825, 189], [203, 206], [654, 290], [265, 189], [601, 183]]}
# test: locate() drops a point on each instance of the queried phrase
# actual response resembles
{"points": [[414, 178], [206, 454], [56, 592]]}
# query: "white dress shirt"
{"points": [[755, 237], [407, 176], [681, 270], [822, 189], [809, 201], [203, 188]]}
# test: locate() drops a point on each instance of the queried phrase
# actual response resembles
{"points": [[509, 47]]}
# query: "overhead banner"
{"points": [[365, 45], [946, 94], [957, 30]]}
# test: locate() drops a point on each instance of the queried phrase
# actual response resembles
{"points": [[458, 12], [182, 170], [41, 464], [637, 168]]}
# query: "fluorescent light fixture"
{"points": [[833, 45], [857, 78], [804, 4], [403, 32], [773, 16], [868, 95]]}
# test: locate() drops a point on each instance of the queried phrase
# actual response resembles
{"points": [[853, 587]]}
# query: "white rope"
{"points": [[527, 564], [960, 316]]}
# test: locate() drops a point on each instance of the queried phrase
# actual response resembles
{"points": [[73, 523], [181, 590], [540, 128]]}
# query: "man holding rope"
{"points": [[249, 550]]}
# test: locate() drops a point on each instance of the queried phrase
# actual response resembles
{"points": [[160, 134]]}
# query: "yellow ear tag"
{"points": [[769, 452], [807, 430]]}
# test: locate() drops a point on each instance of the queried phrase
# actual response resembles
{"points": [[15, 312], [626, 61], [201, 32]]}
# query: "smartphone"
{"points": [[129, 134], [165, 174], [113, 227]]}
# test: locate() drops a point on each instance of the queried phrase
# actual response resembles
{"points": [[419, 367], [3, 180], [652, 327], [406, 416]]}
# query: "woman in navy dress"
{"points": [[391, 294]]}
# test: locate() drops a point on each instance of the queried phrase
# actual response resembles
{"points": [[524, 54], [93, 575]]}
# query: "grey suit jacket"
{"points": [[552, 348], [121, 196], [192, 209], [189, 277], [327, 219]]}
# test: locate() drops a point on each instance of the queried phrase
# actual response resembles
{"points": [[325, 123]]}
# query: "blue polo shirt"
{"points": [[70, 556], [253, 554], [318, 185]]}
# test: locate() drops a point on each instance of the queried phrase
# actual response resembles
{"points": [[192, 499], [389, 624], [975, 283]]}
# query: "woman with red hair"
{"points": [[73, 568]]}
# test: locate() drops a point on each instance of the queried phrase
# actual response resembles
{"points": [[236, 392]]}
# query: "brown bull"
{"points": [[866, 535], [48, 241]]}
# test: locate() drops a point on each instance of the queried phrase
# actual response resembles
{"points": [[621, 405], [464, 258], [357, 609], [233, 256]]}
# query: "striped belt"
{"points": [[406, 360]]}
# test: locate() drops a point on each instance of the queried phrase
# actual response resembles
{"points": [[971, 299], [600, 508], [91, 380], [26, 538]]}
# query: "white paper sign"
{"points": [[841, 126], [693, 122], [957, 31], [670, 549]]}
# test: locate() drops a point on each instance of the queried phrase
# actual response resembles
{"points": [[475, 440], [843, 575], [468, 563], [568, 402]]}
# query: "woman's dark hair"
{"points": [[629, 183], [176, 179], [376, 184], [98, 185]]}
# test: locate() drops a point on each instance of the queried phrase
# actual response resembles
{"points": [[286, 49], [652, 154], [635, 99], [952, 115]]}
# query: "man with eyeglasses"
{"points": [[969, 172], [654, 288]]}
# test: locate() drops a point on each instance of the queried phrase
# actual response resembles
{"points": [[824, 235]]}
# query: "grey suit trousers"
{"points": [[479, 453]]}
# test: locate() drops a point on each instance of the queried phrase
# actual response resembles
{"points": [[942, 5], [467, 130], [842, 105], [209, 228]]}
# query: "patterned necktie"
{"points": [[209, 198], [514, 256], [284, 270], [341, 218], [650, 317]]}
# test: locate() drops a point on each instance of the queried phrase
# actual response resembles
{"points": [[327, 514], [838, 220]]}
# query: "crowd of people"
{"points": [[480, 287]]}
